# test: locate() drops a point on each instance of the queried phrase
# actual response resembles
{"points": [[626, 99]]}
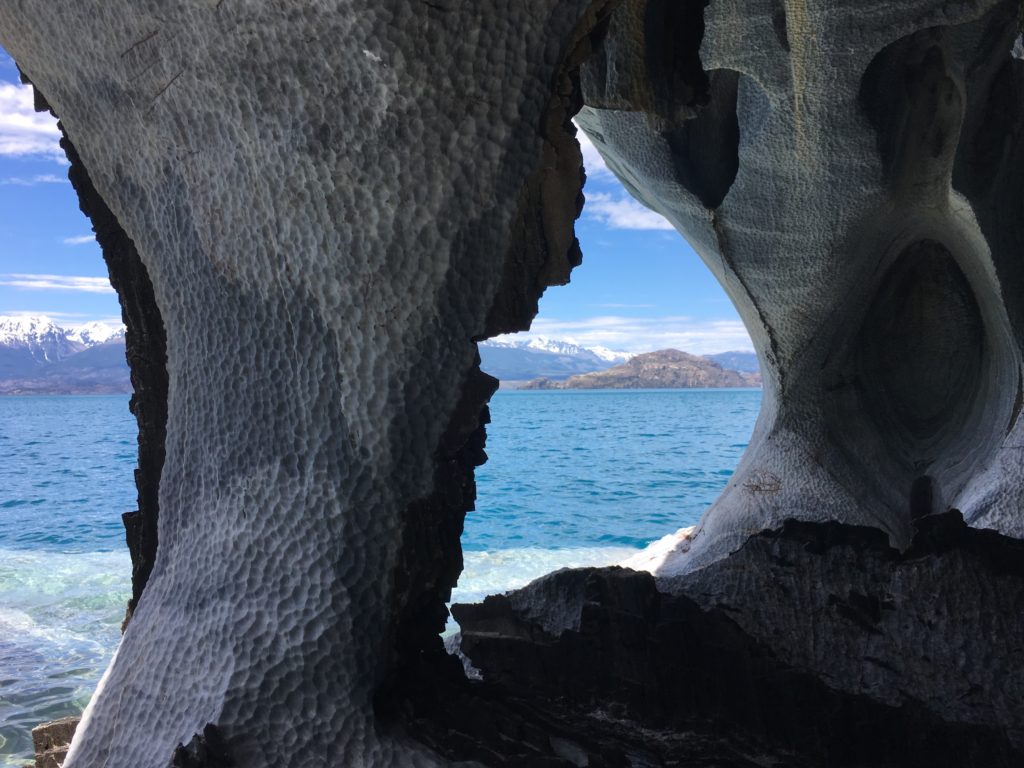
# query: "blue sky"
{"points": [[641, 287], [49, 262]]}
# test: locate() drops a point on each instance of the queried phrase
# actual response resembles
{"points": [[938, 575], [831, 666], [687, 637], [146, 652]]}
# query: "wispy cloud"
{"points": [[57, 283], [79, 240], [623, 306], [645, 334], [33, 181], [23, 131], [621, 212]]}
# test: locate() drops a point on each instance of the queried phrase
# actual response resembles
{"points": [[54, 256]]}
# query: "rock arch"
{"points": [[389, 182]]}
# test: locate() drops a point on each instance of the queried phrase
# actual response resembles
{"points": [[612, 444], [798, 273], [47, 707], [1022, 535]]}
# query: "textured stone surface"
{"points": [[385, 182], [205, 751], [51, 741], [852, 174], [311, 210], [938, 624], [816, 644]]}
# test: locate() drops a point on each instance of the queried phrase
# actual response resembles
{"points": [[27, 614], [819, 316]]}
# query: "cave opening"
{"points": [[301, 579], [624, 410], [619, 418]]}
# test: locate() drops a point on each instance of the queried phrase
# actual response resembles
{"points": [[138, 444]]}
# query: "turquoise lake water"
{"points": [[574, 478]]}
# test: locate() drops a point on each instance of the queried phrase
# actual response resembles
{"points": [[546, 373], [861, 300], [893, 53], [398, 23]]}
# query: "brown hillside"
{"points": [[664, 369]]}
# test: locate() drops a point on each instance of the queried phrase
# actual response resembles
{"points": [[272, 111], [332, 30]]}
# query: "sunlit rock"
{"points": [[51, 741], [312, 210], [332, 200], [852, 176]]}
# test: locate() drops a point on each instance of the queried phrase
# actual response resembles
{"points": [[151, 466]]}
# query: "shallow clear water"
{"points": [[65, 478], [574, 478]]}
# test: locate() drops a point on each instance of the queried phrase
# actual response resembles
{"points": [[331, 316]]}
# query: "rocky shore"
{"points": [[816, 644]]}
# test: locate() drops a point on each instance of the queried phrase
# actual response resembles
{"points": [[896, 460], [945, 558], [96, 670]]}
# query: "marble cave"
{"points": [[397, 180]]}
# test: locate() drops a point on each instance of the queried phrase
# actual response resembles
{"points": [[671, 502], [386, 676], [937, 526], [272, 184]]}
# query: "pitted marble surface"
{"points": [[388, 181], [825, 171], [346, 174]]}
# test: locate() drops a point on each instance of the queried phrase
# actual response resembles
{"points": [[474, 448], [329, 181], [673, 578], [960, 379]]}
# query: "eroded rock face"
{"points": [[51, 741], [816, 644], [330, 201], [847, 172]]}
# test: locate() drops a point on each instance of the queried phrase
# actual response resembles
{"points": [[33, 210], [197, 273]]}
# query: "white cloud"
{"points": [[646, 334], [23, 131], [622, 212], [57, 283], [593, 163], [32, 181], [79, 240]]}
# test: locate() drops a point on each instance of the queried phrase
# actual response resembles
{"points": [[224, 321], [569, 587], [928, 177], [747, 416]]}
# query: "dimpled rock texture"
{"points": [[853, 174], [331, 199]]}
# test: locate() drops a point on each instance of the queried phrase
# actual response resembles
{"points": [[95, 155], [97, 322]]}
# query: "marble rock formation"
{"points": [[852, 175], [312, 210], [815, 644]]}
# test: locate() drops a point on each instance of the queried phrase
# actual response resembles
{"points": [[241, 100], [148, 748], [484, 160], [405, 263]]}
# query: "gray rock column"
{"points": [[852, 174], [332, 200]]}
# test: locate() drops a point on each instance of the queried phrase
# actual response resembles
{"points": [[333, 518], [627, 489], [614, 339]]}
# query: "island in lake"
{"points": [[664, 369]]}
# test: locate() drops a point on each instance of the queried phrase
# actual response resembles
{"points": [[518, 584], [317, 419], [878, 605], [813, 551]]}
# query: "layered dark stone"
{"points": [[813, 645]]}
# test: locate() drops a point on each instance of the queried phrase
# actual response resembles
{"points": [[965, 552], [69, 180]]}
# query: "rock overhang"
{"points": [[395, 181]]}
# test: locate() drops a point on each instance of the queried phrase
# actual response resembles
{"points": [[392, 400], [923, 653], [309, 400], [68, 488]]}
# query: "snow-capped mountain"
{"points": [[561, 347], [37, 355], [611, 355], [514, 359], [95, 333], [35, 340], [558, 347]]}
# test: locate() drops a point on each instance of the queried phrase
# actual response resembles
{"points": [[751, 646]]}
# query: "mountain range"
{"points": [[523, 359], [517, 361], [664, 369], [37, 356]]}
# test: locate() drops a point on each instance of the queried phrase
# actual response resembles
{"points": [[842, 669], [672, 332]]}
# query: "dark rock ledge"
{"points": [[51, 741], [813, 645]]}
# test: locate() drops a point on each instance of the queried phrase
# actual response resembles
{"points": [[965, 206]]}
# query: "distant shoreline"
{"points": [[663, 369], [503, 386]]}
